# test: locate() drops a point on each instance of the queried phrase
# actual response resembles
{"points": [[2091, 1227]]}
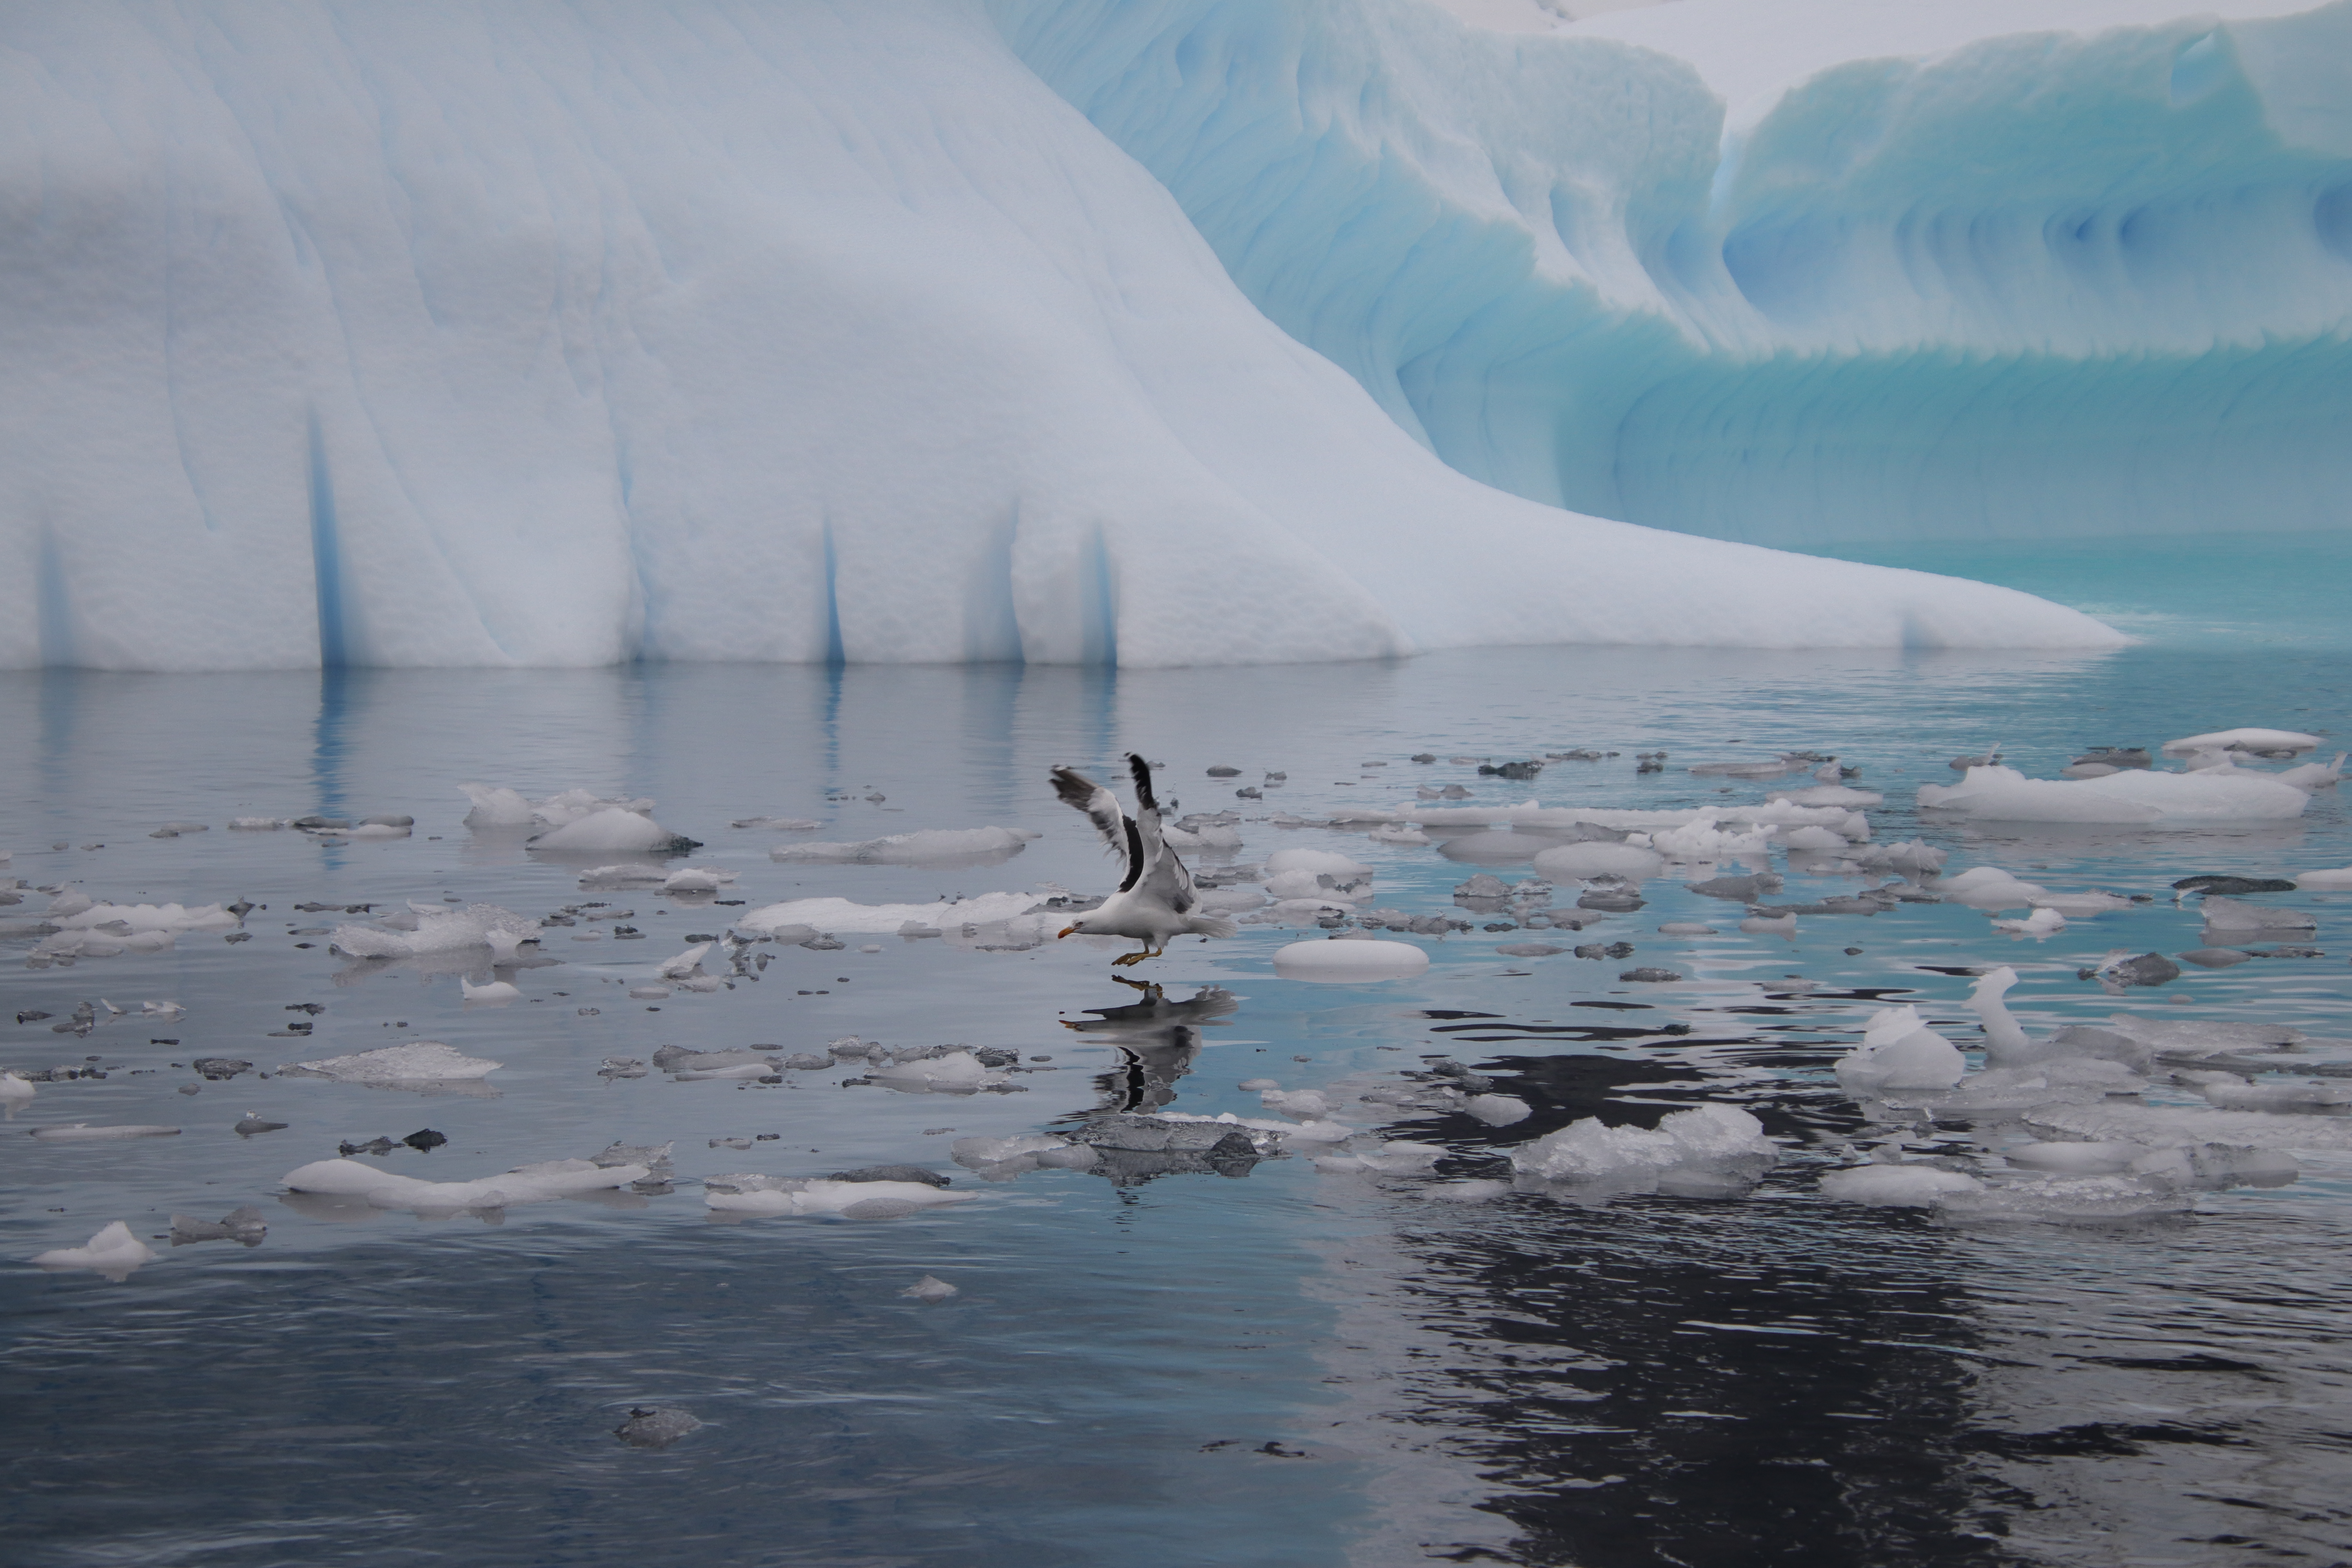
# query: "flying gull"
{"points": [[1155, 900]]}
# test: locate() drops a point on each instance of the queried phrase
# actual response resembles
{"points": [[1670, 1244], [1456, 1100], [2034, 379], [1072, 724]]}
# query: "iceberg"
{"points": [[1792, 271], [518, 333]]}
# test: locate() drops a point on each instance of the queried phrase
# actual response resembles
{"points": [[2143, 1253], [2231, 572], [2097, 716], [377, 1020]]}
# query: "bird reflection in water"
{"points": [[1157, 1041]]}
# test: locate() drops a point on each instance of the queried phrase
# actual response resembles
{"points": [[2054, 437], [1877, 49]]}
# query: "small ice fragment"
{"points": [[247, 1224], [1468, 1192], [12, 1088], [83, 1133], [1497, 1109], [2041, 923], [929, 1288], [113, 1252], [654, 1428], [1896, 1186], [1685, 928], [418, 1061], [1348, 962], [496, 993]]}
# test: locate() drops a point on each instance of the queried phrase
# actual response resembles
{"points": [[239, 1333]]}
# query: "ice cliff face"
{"points": [[538, 333], [1806, 270]]}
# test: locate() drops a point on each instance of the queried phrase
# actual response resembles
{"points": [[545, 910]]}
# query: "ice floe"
{"points": [[380, 1188], [418, 1062], [113, 1252], [927, 846]]}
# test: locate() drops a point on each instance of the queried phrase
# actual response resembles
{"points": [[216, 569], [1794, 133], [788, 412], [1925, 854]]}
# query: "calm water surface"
{"points": [[1287, 1368]]}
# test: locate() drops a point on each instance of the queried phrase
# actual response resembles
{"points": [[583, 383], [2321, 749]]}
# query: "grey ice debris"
{"points": [[247, 1224], [654, 1428], [929, 1288]]}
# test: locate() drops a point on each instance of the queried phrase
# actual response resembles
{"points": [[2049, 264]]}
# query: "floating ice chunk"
{"points": [[496, 993], [83, 1133], [1989, 888], [496, 807], [2286, 742], [1324, 862], [2074, 1159], [979, 1152], [1721, 1137], [958, 1072], [524, 1185], [14, 1088], [612, 829], [930, 1289], [655, 1428], [1815, 838], [419, 1061], [1398, 833], [1307, 1104], [1497, 1109], [76, 913], [256, 823], [762, 1194], [931, 845], [1703, 840], [2327, 882], [685, 963], [2080, 906], [2236, 915], [697, 879], [2066, 1200], [2215, 1166], [1911, 855], [1830, 795], [1564, 861], [1910, 1186], [573, 805], [1348, 962], [440, 930], [1899, 1051], [1770, 925], [2135, 795], [2311, 776], [2228, 1091], [1470, 1192], [2041, 923], [246, 1224], [113, 1252], [845, 915], [1397, 1158], [2170, 1127], [1318, 885]]}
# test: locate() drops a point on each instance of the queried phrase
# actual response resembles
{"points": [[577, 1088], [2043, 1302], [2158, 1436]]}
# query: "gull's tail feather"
{"points": [[1212, 925]]}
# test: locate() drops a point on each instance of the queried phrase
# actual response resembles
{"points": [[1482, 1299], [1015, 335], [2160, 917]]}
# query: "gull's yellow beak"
{"points": [[1066, 931]]}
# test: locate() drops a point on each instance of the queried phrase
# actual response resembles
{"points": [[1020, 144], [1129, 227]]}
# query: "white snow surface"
{"points": [[456, 333]]}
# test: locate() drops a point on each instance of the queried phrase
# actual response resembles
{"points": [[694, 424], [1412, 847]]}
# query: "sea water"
{"points": [[1282, 1367]]}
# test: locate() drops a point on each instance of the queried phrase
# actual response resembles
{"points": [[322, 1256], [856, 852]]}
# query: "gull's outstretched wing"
{"points": [[1164, 878], [1101, 807]]}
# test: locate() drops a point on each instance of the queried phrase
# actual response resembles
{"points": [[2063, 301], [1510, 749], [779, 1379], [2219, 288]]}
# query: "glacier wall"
{"points": [[1794, 272], [513, 331]]}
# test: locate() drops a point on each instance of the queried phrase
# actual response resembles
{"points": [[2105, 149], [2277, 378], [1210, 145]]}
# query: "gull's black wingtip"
{"points": [[1141, 771]]}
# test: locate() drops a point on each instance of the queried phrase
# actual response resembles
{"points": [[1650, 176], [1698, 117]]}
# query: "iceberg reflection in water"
{"points": [[1275, 1349]]}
